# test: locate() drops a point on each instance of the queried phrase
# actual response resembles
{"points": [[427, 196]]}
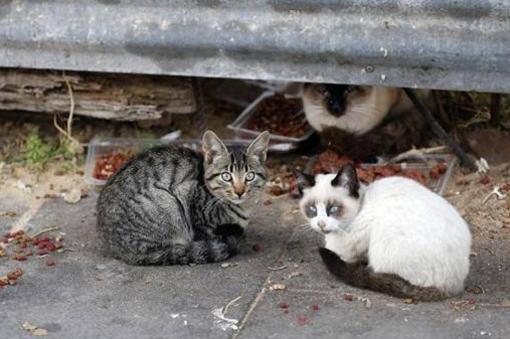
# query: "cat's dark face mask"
{"points": [[335, 97]]}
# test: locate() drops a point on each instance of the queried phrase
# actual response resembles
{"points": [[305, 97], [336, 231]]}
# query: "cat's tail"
{"points": [[360, 275], [195, 252]]}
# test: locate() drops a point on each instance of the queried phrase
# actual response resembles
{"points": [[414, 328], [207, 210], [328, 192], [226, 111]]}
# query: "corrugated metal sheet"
{"points": [[444, 44]]}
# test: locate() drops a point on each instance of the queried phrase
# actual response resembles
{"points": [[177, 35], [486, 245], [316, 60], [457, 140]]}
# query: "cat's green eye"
{"points": [[250, 176], [226, 176]]}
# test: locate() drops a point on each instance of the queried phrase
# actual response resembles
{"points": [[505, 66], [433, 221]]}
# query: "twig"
{"points": [[277, 268], [418, 153], [46, 230], [440, 132], [495, 191], [225, 308], [71, 107]]}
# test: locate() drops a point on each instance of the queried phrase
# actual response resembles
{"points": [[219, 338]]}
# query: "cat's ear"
{"points": [[212, 146], [304, 181], [348, 179], [258, 147]]}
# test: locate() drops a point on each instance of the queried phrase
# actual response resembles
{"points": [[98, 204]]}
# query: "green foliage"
{"points": [[37, 152]]}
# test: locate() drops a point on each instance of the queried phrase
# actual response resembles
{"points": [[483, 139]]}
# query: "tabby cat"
{"points": [[171, 205]]}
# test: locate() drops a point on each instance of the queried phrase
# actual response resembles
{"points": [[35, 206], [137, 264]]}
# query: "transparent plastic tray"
{"points": [[239, 126], [99, 146], [437, 185]]}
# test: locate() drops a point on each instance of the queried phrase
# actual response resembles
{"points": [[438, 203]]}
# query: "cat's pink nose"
{"points": [[321, 225]]}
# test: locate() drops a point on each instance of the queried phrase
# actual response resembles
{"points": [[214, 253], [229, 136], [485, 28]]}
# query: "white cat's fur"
{"points": [[359, 117], [400, 226]]}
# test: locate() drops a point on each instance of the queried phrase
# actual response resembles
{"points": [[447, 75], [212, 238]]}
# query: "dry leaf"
{"points": [[28, 326], [73, 196], [277, 287], [505, 303], [40, 332]]}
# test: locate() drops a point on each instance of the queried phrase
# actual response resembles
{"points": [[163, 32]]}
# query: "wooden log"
{"points": [[124, 97]]}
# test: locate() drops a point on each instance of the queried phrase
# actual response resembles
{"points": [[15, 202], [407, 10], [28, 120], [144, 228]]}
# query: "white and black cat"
{"points": [[363, 121], [393, 236]]}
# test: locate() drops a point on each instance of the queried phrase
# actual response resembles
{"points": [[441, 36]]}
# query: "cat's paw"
{"points": [[229, 230], [332, 261]]}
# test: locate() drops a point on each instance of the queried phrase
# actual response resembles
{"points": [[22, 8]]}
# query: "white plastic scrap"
{"points": [[222, 321], [483, 166]]}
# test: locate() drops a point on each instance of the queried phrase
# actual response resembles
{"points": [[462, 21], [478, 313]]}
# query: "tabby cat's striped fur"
{"points": [[170, 205]]}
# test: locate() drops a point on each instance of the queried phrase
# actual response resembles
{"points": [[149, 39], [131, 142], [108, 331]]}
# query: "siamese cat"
{"points": [[393, 236], [363, 121]]}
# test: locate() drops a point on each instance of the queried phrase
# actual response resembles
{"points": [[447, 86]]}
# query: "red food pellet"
{"points": [[485, 180], [315, 307], [302, 320], [50, 262], [283, 305], [44, 239], [42, 252], [348, 297], [20, 258], [51, 247], [41, 246], [257, 248]]}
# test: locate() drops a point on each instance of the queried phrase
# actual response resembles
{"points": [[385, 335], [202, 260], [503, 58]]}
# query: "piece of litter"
{"points": [[223, 322], [277, 268], [294, 274], [73, 196], [277, 287], [22, 186], [34, 330], [495, 191], [366, 301], [185, 322], [28, 326], [482, 166], [174, 315], [40, 332], [348, 297], [229, 264]]}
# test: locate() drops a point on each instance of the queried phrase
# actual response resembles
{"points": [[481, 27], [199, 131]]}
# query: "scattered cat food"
{"points": [[438, 170], [283, 305], [302, 320], [485, 180], [257, 248], [11, 278], [348, 297], [329, 162], [20, 246], [108, 164], [280, 116], [50, 262], [315, 307]]}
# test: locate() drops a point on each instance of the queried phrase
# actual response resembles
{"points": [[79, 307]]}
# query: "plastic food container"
{"points": [[278, 142], [101, 149], [437, 184]]}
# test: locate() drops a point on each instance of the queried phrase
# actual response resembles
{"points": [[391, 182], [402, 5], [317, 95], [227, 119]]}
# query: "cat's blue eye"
{"points": [[333, 209], [250, 176], [226, 176]]}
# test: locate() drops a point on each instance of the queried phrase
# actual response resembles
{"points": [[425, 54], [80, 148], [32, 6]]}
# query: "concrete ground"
{"points": [[87, 295]]}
